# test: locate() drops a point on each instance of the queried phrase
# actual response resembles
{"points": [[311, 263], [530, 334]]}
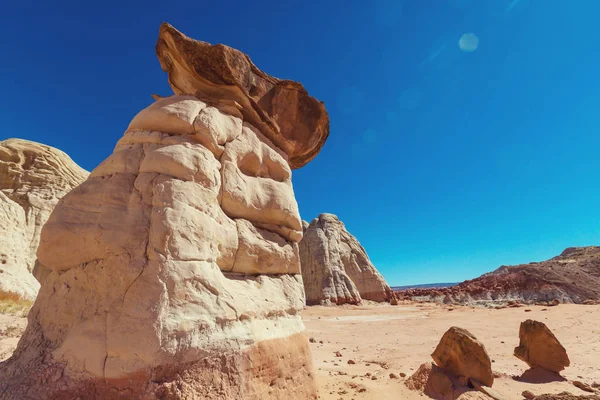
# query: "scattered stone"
{"points": [[527, 310], [373, 378], [462, 354], [352, 362], [393, 375], [487, 390], [312, 340], [338, 354], [591, 302], [565, 396], [402, 375], [538, 347], [583, 386], [528, 395]]}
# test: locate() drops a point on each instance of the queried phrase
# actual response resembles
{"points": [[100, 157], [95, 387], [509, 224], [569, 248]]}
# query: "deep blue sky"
{"points": [[444, 163]]}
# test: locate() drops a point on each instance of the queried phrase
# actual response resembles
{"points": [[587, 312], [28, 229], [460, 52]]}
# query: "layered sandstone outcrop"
{"points": [[173, 270], [336, 268], [539, 348], [33, 178], [571, 277]]}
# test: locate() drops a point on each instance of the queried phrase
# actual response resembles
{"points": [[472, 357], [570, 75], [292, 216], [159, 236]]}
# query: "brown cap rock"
{"points": [[538, 347], [281, 109], [462, 354]]}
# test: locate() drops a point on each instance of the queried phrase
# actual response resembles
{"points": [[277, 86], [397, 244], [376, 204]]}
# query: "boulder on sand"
{"points": [[460, 353], [538, 347], [174, 269]]}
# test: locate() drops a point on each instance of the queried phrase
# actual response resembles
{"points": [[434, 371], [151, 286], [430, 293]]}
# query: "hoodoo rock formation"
{"points": [[336, 268], [33, 178], [571, 277], [173, 270]]}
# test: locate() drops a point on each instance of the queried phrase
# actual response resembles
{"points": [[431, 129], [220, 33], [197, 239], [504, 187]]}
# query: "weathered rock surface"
{"points": [[460, 353], [538, 347], [33, 178], [335, 267], [173, 270], [436, 383], [571, 277], [281, 109]]}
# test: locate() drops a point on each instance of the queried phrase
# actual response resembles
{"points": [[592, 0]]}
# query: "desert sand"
{"points": [[383, 339]]}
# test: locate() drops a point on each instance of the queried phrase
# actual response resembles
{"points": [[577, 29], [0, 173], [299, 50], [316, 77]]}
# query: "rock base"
{"points": [[270, 369]]}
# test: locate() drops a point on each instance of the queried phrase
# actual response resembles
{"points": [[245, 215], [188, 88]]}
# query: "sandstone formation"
{"points": [[538, 347], [571, 277], [173, 270], [281, 109], [33, 178], [336, 268], [460, 353]]}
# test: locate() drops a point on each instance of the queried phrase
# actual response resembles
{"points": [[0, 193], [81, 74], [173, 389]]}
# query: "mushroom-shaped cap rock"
{"points": [[281, 109]]}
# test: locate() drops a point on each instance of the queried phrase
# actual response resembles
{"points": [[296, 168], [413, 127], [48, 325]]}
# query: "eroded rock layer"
{"points": [[172, 271], [33, 178], [336, 268]]}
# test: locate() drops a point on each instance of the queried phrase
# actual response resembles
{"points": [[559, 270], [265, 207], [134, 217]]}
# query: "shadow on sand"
{"points": [[539, 375]]}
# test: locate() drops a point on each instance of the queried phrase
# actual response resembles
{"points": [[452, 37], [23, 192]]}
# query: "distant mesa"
{"points": [[33, 178], [336, 269], [571, 277]]}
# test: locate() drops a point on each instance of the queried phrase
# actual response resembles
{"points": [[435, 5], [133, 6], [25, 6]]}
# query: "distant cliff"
{"points": [[571, 277]]}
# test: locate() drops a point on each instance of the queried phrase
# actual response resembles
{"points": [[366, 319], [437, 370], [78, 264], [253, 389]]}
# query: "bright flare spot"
{"points": [[468, 42]]}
